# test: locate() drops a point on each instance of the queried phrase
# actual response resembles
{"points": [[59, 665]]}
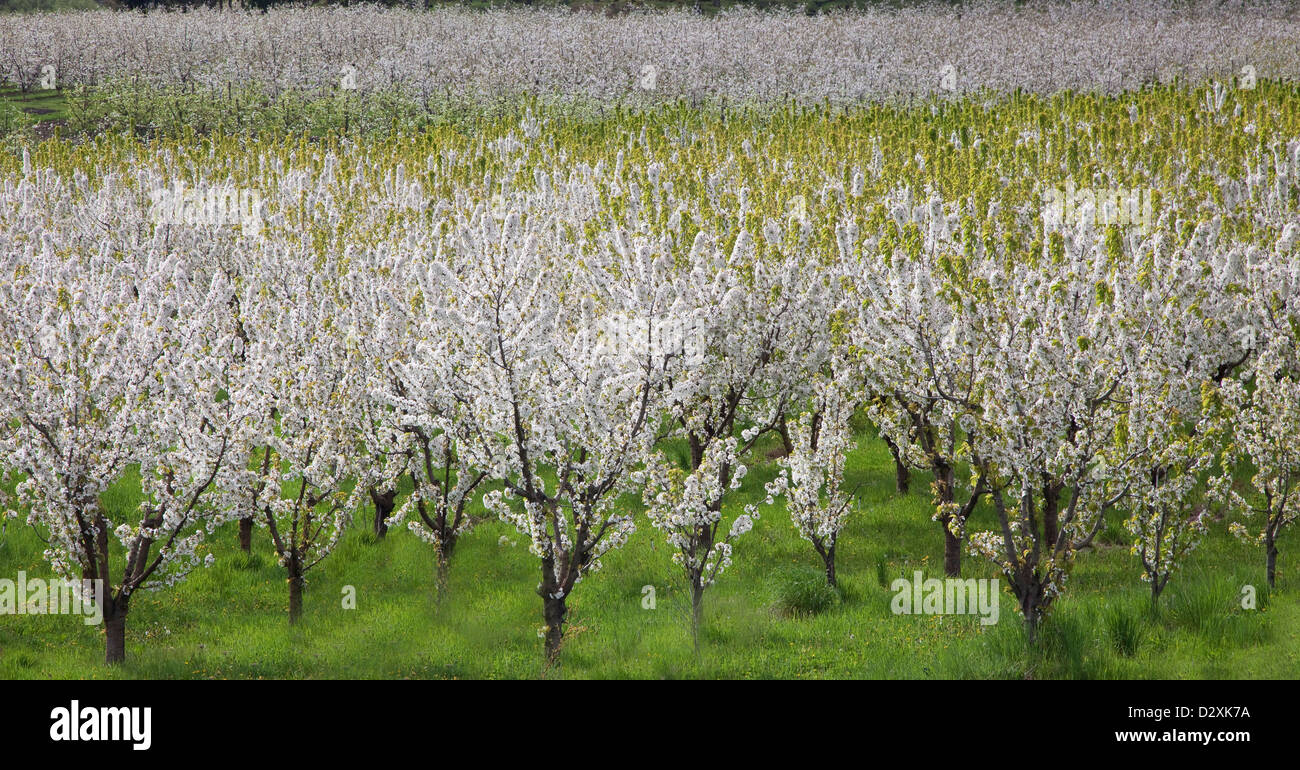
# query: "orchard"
{"points": [[1063, 318]]}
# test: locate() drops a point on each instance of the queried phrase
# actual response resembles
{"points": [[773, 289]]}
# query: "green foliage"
{"points": [[12, 118], [229, 620], [29, 6], [802, 591], [1124, 628]]}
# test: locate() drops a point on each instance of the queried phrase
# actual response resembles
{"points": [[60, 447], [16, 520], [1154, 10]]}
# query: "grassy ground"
{"points": [[230, 620], [38, 112], [42, 105]]}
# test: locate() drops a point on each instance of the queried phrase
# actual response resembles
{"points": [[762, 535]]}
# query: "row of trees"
{"points": [[454, 59], [539, 341], [609, 7]]}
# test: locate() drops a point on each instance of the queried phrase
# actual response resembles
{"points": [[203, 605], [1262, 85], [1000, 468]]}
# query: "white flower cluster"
{"points": [[1083, 376], [428, 313], [687, 506], [812, 475], [651, 57]]}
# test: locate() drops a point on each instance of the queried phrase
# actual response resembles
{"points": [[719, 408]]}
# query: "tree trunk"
{"points": [[784, 431], [902, 477], [951, 552], [1051, 512], [697, 608], [246, 535], [295, 590], [829, 558], [114, 631], [1271, 547], [945, 478], [902, 474], [1030, 593], [554, 610], [383, 509], [443, 573]]}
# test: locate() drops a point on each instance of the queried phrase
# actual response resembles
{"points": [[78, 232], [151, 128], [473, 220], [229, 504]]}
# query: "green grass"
{"points": [[802, 591], [230, 620], [34, 113], [41, 105], [40, 6]]}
